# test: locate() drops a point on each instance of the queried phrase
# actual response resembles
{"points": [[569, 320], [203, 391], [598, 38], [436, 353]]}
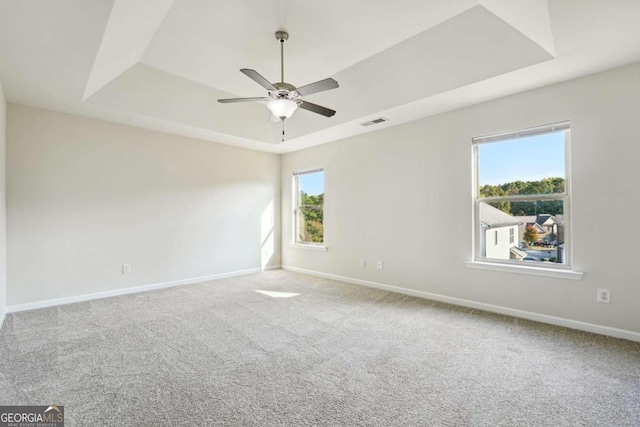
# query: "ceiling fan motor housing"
{"points": [[284, 90]]}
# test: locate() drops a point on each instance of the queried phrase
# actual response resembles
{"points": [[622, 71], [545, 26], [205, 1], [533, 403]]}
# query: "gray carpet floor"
{"points": [[219, 353]]}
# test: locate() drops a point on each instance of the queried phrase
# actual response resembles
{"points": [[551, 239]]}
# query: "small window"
{"points": [[308, 194], [522, 196]]}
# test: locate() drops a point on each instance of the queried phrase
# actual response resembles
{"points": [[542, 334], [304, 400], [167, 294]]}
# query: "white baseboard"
{"points": [[116, 292], [3, 315], [544, 318]]}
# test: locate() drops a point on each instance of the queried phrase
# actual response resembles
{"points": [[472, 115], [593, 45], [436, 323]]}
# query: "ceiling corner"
{"points": [[131, 27], [530, 17]]}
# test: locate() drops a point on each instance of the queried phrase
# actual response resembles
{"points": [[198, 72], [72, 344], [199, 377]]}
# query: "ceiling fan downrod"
{"points": [[282, 37]]}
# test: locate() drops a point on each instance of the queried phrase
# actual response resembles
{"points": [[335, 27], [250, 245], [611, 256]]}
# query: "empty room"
{"points": [[330, 213]]}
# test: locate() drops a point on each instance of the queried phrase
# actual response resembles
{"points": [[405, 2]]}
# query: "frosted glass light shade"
{"points": [[282, 108]]}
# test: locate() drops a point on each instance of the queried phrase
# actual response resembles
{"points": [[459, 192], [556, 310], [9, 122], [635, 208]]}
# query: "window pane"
{"points": [[311, 189], [310, 225], [539, 227], [532, 165], [310, 203]]}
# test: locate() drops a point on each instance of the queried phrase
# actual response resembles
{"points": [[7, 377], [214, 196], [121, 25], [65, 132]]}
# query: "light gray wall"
{"points": [[404, 195], [3, 207], [86, 196]]}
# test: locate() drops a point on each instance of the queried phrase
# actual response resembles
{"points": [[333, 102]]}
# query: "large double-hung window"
{"points": [[522, 198]]}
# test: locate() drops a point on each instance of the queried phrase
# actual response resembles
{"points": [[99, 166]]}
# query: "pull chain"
{"points": [[282, 130]]}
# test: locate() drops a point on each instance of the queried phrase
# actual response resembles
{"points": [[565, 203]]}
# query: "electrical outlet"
{"points": [[363, 262], [604, 295], [379, 265], [126, 268]]}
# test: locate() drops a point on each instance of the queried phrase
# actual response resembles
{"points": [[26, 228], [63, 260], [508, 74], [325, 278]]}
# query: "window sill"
{"points": [[521, 269], [309, 247]]}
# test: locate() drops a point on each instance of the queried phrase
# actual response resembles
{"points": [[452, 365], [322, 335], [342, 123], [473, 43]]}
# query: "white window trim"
{"points": [[514, 266], [525, 269], [309, 246], [294, 203]]}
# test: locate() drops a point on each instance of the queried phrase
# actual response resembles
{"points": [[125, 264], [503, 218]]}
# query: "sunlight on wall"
{"points": [[267, 239]]}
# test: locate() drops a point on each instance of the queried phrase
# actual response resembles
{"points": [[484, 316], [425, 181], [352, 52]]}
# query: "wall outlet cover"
{"points": [[604, 295]]}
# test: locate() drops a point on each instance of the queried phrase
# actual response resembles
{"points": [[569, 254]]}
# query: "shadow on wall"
{"points": [[267, 239]]}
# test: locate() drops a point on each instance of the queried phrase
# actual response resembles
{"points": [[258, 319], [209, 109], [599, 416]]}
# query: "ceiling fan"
{"points": [[284, 98]]}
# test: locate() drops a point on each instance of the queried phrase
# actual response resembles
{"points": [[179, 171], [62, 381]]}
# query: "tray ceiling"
{"points": [[163, 64]]}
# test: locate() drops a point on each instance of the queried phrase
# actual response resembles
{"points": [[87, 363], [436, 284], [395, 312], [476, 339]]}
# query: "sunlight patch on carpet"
{"points": [[278, 294]]}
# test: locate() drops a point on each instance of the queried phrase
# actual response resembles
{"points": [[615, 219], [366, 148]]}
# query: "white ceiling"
{"points": [[162, 64]]}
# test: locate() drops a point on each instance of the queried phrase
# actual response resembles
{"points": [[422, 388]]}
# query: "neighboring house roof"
{"points": [[545, 219], [542, 219], [518, 252], [495, 218], [538, 227], [527, 220]]}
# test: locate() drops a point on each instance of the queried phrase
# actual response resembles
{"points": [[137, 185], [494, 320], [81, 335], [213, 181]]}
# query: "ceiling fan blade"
{"points": [[316, 87], [256, 77], [229, 100], [317, 109]]}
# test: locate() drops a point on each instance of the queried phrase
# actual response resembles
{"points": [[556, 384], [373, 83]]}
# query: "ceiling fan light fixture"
{"points": [[282, 108]]}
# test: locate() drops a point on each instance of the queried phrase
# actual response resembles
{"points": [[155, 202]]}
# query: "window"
{"points": [[522, 197], [308, 195]]}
